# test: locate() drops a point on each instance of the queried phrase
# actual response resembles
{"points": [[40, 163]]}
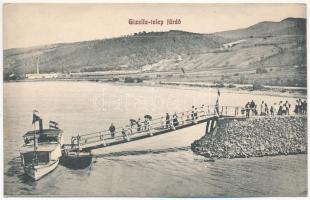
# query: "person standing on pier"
{"points": [[280, 108], [183, 118], [124, 133], [252, 106], [162, 122], [247, 110], [112, 130], [196, 114], [304, 107], [175, 119], [266, 109], [275, 108], [288, 106], [193, 113], [139, 125], [296, 110], [299, 106], [167, 120], [262, 109], [145, 123], [202, 111], [272, 109]]}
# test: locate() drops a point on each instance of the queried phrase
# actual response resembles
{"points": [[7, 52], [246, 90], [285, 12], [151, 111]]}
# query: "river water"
{"points": [[161, 166]]}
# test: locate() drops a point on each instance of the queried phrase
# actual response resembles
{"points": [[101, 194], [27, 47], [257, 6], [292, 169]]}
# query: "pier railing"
{"points": [[149, 126]]}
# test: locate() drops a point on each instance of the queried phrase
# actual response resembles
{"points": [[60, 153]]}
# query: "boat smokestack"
{"points": [[40, 125]]}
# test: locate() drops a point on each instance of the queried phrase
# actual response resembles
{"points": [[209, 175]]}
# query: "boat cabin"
{"points": [[43, 136], [46, 148]]}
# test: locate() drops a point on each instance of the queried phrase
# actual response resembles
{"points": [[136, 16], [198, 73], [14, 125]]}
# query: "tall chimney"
{"points": [[38, 68]]}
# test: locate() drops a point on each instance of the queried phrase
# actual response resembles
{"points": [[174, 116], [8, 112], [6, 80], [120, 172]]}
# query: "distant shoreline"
{"points": [[281, 91]]}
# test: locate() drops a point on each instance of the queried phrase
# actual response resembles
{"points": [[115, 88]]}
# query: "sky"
{"points": [[27, 25]]}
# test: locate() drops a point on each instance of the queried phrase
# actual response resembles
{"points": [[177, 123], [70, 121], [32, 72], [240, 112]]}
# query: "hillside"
{"points": [[130, 52], [273, 47], [288, 26]]}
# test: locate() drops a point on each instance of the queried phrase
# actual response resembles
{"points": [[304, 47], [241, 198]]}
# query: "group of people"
{"points": [[281, 108], [138, 124], [300, 107], [170, 122], [167, 122]]}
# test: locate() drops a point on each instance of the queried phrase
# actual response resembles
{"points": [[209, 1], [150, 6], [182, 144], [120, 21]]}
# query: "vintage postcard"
{"points": [[155, 100]]}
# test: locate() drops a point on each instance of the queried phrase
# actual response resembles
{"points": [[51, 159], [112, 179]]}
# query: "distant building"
{"points": [[232, 44], [42, 76], [103, 74]]}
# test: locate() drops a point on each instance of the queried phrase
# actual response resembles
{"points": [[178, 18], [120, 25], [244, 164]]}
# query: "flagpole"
{"points": [[34, 137]]}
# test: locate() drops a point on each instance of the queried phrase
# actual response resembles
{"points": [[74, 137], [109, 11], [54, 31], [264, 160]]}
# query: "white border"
{"points": [[138, 1]]}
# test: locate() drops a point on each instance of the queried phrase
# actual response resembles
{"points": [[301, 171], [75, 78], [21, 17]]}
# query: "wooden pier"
{"points": [[152, 127]]}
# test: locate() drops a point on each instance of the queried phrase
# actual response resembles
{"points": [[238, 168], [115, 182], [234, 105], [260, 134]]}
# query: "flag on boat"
{"points": [[53, 124], [183, 70], [35, 117]]}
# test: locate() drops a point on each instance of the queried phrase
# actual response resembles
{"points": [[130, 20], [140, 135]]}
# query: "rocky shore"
{"points": [[254, 137]]}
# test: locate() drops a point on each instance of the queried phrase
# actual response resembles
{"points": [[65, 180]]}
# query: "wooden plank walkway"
{"points": [[158, 126]]}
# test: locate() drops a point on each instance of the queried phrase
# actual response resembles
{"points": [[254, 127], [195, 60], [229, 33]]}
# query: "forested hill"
{"points": [[129, 52]]}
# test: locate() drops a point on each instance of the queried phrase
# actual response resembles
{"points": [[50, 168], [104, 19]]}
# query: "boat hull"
{"points": [[37, 172], [74, 160]]}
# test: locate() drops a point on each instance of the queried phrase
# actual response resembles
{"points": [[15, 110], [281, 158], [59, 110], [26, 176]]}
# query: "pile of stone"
{"points": [[255, 137]]}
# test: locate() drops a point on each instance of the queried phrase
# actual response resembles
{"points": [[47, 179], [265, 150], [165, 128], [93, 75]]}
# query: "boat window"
{"points": [[28, 158], [46, 138], [41, 157]]}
